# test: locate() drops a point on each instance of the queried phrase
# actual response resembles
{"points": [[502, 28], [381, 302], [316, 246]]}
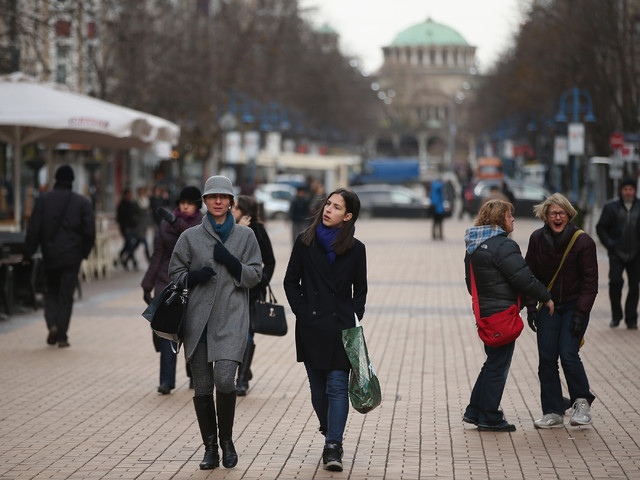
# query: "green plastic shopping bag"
{"points": [[364, 387]]}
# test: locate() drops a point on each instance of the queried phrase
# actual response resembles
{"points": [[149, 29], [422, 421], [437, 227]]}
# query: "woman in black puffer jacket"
{"points": [[500, 275]]}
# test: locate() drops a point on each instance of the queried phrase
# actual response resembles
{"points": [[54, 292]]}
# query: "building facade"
{"points": [[425, 82]]}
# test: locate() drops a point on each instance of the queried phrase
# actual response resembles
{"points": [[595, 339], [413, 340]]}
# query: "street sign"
{"points": [[616, 140], [560, 151], [576, 139]]}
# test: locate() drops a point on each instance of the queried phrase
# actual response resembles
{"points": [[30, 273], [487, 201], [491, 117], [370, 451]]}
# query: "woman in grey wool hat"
{"points": [[220, 262]]}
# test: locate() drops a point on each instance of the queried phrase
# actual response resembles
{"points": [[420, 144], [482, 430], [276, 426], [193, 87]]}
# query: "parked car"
{"points": [[391, 201], [275, 199], [525, 195]]}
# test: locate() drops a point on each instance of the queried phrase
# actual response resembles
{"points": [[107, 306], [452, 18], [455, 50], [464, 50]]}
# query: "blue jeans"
{"points": [[484, 405], [555, 341], [330, 400]]}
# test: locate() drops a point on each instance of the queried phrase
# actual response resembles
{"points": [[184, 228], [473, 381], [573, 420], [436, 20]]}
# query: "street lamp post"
{"points": [[576, 137]]}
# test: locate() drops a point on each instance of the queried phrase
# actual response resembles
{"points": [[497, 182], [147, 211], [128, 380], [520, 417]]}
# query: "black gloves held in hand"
{"points": [[166, 215], [577, 326], [146, 296], [223, 256], [197, 277], [531, 320]]}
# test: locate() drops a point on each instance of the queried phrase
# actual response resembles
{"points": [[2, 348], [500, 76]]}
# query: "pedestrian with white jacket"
{"points": [[220, 262]]}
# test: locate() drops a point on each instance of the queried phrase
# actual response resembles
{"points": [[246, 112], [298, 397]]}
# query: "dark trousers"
{"points": [[484, 405], [555, 341], [436, 228], [168, 360], [616, 268], [58, 299], [128, 249]]}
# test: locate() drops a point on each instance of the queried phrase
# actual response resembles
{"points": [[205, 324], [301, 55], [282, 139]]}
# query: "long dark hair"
{"points": [[344, 241], [249, 206]]}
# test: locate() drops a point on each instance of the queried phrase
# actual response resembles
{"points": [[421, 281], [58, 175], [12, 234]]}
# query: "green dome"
{"points": [[428, 33]]}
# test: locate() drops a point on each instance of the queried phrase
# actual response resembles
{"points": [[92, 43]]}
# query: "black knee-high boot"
{"points": [[206, 414], [244, 372], [226, 403]]}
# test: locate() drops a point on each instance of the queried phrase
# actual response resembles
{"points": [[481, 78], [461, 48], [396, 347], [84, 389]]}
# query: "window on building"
{"points": [[63, 28], [444, 57], [91, 30], [420, 57], [408, 55], [432, 57], [398, 54], [61, 73], [62, 52], [455, 57]]}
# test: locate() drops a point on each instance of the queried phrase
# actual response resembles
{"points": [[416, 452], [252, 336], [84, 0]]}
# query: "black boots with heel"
{"points": [[206, 414], [244, 372], [226, 411]]}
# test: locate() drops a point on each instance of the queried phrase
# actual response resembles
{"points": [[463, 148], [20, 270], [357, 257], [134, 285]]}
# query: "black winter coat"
{"points": [[578, 279], [268, 261], [617, 229], [501, 273], [63, 225], [324, 298]]}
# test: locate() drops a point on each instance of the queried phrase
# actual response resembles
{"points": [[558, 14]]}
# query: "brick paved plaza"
{"points": [[91, 411]]}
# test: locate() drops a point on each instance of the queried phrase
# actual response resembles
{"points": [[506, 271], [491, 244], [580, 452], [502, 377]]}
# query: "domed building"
{"points": [[424, 82]]}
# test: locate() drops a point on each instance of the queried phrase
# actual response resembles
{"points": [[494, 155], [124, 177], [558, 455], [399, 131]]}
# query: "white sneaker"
{"points": [[581, 413], [549, 420]]}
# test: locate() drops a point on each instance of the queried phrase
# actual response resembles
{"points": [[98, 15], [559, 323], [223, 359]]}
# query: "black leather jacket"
{"points": [[618, 229], [501, 273]]}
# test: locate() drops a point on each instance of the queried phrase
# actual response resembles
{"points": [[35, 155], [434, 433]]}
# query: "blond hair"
{"points": [[542, 209], [494, 212]]}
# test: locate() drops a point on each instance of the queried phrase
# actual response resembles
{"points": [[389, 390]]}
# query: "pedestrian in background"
{"points": [[156, 278], [221, 261], [245, 212], [438, 208], [617, 229], [574, 291], [126, 217], [299, 212], [63, 225], [326, 286], [144, 220], [500, 274]]}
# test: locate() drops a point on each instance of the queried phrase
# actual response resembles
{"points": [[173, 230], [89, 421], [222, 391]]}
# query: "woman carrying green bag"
{"points": [[326, 284]]}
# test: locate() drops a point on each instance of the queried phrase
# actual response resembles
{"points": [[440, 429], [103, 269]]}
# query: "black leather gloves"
{"points": [[531, 320], [197, 277], [146, 296], [577, 326], [166, 215], [223, 256]]}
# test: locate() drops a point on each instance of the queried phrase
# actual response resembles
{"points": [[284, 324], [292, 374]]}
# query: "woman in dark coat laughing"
{"points": [[326, 284]]}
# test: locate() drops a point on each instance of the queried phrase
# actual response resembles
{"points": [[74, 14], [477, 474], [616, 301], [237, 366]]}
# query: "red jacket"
{"points": [[578, 279]]}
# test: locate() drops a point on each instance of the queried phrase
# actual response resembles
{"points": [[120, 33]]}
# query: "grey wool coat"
{"points": [[221, 303]]}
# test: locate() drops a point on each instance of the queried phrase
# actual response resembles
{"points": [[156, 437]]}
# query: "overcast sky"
{"points": [[365, 26]]}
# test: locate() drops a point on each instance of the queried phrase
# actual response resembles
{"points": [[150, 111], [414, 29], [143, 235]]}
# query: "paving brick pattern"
{"points": [[92, 412]]}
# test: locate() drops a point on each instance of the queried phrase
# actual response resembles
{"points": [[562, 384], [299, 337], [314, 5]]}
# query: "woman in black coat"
{"points": [[186, 215], [326, 286], [245, 211]]}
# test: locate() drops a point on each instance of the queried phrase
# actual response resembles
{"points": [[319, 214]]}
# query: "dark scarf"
{"points": [[326, 237], [175, 228], [222, 229]]}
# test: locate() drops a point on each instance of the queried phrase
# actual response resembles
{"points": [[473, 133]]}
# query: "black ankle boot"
{"points": [[226, 411], [244, 372], [206, 414]]}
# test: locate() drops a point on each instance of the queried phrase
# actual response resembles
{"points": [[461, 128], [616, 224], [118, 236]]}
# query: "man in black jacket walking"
{"points": [[63, 225], [618, 232]]}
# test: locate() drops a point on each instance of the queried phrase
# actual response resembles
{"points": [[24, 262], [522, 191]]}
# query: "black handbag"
{"points": [[267, 316], [167, 312]]}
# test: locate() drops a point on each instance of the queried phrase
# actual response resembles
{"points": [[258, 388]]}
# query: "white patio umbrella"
{"points": [[50, 114]]}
